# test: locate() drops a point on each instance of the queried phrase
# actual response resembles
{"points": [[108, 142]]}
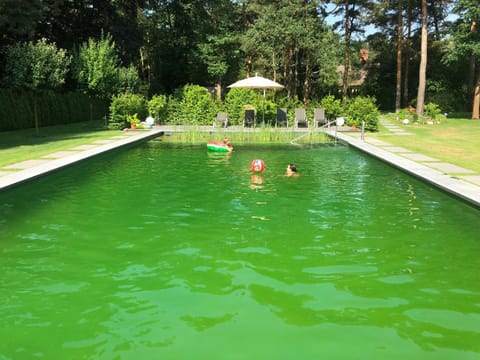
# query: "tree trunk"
{"points": [[35, 114], [476, 98], [347, 51], [248, 69], [218, 92], [398, 90], [289, 75], [422, 72], [470, 82], [476, 88], [274, 66], [91, 108], [407, 55], [306, 84]]}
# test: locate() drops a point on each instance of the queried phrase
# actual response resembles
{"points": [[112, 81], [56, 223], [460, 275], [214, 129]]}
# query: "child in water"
{"points": [[227, 143], [292, 170]]}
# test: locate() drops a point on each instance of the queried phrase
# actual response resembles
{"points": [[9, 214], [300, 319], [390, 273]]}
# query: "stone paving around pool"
{"points": [[457, 180], [451, 169]]}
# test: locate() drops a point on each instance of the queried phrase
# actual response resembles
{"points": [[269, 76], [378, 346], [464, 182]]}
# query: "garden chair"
{"points": [[281, 118], [221, 120], [249, 118], [301, 118], [319, 117]]}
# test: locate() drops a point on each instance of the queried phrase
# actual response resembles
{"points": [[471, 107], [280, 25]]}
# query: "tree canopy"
{"points": [[315, 48]]}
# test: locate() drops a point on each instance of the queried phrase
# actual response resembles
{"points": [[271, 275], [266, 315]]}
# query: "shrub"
{"points": [[237, 101], [191, 105], [431, 110], [36, 66], [124, 105], [157, 107], [402, 114], [332, 107], [361, 109], [133, 119], [128, 80]]}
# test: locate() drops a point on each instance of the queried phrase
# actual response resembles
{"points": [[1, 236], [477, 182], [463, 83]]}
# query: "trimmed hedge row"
{"points": [[17, 108]]}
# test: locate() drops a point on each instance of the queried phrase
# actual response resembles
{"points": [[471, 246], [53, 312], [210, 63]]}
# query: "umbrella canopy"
{"points": [[256, 82]]}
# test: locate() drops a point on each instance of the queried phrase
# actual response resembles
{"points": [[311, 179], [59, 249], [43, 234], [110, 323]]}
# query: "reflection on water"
{"points": [[169, 252]]}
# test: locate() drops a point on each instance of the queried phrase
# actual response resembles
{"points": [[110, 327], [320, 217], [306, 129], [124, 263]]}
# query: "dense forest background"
{"points": [[401, 52]]}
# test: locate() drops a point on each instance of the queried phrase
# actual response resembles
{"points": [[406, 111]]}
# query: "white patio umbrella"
{"points": [[257, 82]]}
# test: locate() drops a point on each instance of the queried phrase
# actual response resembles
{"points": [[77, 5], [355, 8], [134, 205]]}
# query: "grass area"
{"points": [[455, 141], [21, 145]]}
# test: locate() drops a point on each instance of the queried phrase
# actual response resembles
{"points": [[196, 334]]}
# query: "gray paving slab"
{"points": [[59, 154], [471, 178], [26, 164], [85, 147], [450, 168], [419, 157], [403, 133], [377, 142], [395, 129], [106, 141], [451, 184], [396, 149]]}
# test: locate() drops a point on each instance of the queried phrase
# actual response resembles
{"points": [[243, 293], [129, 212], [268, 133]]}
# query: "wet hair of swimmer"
{"points": [[292, 167]]}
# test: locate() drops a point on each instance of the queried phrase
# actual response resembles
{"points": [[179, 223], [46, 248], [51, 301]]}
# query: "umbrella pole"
{"points": [[263, 109]]}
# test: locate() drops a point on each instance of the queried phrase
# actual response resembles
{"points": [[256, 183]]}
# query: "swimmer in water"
{"points": [[292, 170]]}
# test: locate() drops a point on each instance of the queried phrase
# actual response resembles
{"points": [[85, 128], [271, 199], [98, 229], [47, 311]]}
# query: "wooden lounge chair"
{"points": [[221, 120], [319, 117], [301, 118], [281, 118]]}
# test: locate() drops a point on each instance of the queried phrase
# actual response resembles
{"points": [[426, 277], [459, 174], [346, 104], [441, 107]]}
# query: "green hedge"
{"points": [[16, 109]]}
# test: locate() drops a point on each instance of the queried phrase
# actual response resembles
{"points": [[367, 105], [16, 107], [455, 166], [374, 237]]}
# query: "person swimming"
{"points": [[292, 170], [227, 143]]}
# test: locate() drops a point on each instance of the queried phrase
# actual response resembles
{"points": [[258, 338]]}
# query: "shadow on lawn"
{"points": [[9, 139]]}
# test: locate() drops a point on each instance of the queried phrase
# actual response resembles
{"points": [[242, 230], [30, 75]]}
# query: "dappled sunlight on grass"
{"points": [[21, 145], [453, 141]]}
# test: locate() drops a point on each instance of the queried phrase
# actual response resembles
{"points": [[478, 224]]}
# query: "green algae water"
{"points": [[171, 252]]}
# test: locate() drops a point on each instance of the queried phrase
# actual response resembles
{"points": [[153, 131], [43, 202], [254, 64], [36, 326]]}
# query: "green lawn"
{"points": [[456, 141], [21, 145]]}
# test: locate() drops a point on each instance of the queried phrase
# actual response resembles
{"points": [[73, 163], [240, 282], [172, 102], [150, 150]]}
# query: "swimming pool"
{"points": [[165, 251]]}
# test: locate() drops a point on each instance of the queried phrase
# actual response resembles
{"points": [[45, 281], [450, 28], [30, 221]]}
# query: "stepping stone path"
{"points": [[397, 130], [446, 168]]}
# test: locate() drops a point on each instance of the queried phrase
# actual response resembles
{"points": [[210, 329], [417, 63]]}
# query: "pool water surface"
{"points": [[172, 252]]}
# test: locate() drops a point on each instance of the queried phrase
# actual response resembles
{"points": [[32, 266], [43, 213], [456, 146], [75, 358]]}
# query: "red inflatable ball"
{"points": [[257, 165]]}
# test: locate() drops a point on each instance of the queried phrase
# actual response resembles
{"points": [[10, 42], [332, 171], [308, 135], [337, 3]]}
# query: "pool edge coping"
{"points": [[446, 182], [21, 176]]}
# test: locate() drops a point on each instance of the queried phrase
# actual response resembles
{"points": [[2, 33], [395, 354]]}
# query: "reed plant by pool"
{"points": [[259, 135], [167, 251]]}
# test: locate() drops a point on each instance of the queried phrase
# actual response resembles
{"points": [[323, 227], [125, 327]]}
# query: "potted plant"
{"points": [[133, 120]]}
